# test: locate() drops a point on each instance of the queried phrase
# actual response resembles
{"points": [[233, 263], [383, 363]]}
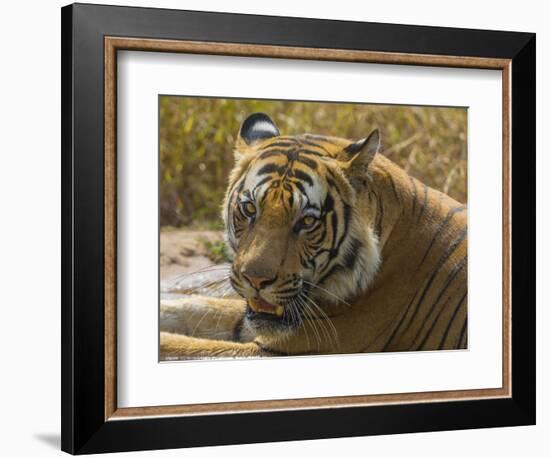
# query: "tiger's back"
{"points": [[418, 300]]}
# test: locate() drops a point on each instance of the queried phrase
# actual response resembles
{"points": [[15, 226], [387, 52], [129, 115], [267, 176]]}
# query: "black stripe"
{"points": [[268, 154], [401, 320], [286, 282], [452, 247], [300, 186], [334, 226], [328, 204], [451, 321], [265, 195], [303, 176], [347, 217], [442, 225], [415, 194], [317, 145], [394, 188], [282, 144], [284, 169], [261, 182], [268, 168], [336, 244], [351, 256], [312, 153], [379, 216], [307, 161], [236, 189], [429, 333], [449, 281]]}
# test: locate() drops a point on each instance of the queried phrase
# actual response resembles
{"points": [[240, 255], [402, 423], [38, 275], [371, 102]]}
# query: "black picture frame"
{"points": [[84, 428]]}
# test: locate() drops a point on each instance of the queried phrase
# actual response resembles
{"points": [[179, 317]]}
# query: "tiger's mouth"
{"points": [[269, 320], [259, 305]]}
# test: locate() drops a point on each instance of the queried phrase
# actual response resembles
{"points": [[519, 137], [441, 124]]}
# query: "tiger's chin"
{"points": [[269, 324]]}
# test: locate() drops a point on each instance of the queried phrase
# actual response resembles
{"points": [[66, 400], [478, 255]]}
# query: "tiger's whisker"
{"points": [[182, 277], [201, 286], [307, 311], [327, 291], [299, 320], [326, 321], [312, 317], [210, 268], [199, 322]]}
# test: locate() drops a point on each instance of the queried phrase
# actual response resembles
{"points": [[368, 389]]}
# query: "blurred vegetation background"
{"points": [[197, 137]]}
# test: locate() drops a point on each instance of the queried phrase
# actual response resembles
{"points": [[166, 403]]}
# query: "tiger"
{"points": [[336, 249]]}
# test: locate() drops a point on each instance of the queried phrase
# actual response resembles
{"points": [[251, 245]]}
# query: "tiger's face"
{"points": [[291, 220]]}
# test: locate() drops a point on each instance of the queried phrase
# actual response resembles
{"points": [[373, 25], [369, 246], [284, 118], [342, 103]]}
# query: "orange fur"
{"points": [[406, 288]]}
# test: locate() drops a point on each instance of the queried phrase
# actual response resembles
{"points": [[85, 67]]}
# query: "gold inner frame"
{"points": [[114, 44]]}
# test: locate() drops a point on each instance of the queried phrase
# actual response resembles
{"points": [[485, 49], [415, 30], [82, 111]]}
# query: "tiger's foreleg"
{"points": [[181, 346], [201, 326], [205, 317]]}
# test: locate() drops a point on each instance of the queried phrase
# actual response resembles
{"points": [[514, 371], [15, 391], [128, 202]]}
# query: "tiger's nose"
{"points": [[258, 282]]}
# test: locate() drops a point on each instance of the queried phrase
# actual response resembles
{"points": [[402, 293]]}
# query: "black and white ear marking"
{"points": [[257, 127]]}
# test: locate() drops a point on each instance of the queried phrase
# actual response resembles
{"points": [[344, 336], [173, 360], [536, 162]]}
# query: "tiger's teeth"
{"points": [[254, 305], [260, 305]]}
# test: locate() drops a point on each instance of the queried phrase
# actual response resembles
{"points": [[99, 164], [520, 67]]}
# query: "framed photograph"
{"points": [[281, 228]]}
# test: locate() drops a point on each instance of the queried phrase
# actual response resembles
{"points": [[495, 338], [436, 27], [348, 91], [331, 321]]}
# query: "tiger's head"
{"points": [[296, 225]]}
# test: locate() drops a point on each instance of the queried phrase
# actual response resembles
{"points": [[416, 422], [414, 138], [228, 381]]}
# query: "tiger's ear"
{"points": [[254, 129], [356, 157]]}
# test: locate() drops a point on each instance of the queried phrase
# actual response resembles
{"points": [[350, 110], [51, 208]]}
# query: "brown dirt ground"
{"points": [[184, 251]]}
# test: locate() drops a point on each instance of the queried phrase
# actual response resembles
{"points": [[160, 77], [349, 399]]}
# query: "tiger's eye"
{"points": [[308, 220], [249, 209]]}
